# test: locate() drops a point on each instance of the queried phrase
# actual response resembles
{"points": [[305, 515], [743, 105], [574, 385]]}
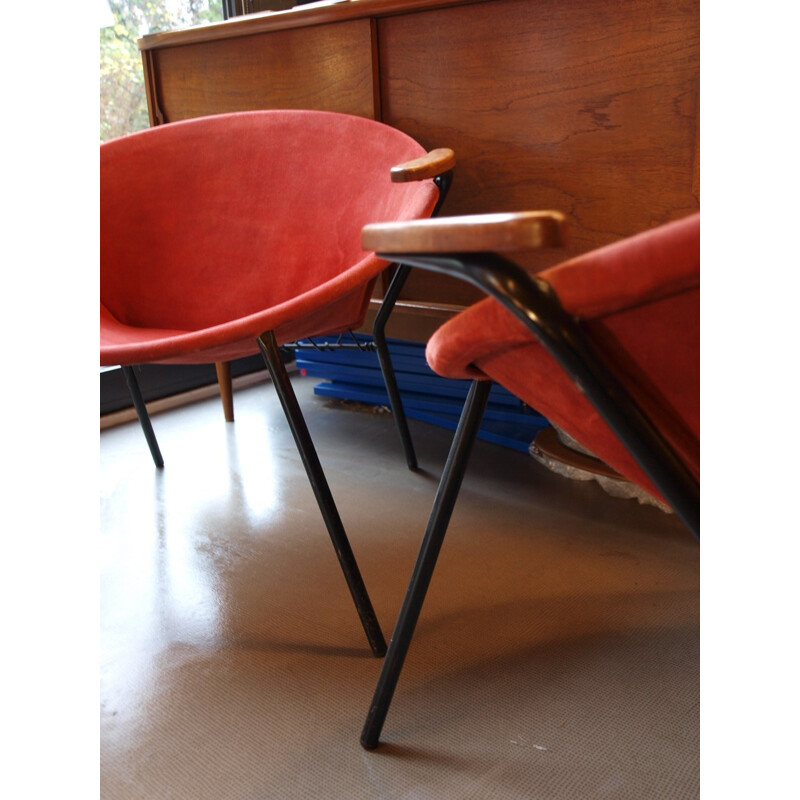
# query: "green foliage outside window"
{"points": [[123, 104]]}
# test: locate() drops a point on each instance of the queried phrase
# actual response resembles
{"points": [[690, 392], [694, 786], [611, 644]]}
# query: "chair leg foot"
{"points": [[144, 417], [225, 388], [382, 348], [308, 454], [449, 486]]}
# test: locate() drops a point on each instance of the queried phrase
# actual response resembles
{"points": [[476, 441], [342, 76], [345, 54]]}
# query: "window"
{"points": [[123, 105]]}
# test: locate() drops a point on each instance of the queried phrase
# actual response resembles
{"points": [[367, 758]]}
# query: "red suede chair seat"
{"points": [[640, 301], [215, 230]]}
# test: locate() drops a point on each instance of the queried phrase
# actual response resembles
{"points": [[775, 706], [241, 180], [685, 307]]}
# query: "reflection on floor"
{"points": [[557, 655]]}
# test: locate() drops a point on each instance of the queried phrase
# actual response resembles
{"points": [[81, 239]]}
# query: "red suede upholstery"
{"points": [[639, 300], [215, 230]]}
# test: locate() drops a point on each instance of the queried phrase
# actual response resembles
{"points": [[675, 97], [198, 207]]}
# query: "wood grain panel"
{"points": [[590, 107], [587, 107], [328, 68]]}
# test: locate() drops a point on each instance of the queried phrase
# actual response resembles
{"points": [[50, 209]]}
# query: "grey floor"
{"points": [[557, 654]]}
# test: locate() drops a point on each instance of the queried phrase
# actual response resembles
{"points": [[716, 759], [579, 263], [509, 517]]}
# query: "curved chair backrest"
{"points": [[241, 212], [638, 301]]}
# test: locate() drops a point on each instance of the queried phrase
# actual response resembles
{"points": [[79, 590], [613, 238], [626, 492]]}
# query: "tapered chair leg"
{"points": [[322, 492], [144, 417], [379, 337], [442, 510], [225, 388]]}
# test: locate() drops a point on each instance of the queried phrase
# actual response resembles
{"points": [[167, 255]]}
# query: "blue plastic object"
{"points": [[352, 374]]}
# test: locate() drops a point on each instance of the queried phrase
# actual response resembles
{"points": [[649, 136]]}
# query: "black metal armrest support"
{"points": [[441, 163]]}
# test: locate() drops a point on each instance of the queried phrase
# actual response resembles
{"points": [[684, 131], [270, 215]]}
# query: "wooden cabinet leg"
{"points": [[225, 388]]}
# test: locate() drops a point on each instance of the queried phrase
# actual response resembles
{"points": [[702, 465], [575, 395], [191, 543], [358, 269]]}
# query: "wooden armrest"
{"points": [[526, 230], [428, 166]]}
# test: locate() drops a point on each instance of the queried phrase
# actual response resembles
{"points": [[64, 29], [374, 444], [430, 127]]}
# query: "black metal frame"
{"points": [[399, 278], [534, 302], [323, 347], [439, 519], [305, 446], [144, 417]]}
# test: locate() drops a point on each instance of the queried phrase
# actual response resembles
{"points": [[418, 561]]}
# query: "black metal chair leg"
{"points": [[442, 510], [144, 417], [399, 278], [382, 348], [269, 349]]}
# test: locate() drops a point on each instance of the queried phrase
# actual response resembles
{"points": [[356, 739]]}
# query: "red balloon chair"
{"points": [[606, 346], [235, 234]]}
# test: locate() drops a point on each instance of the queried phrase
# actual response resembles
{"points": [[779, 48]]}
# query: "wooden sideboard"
{"points": [[590, 107]]}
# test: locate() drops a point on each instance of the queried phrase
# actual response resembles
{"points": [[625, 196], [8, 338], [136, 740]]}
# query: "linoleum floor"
{"points": [[557, 655]]}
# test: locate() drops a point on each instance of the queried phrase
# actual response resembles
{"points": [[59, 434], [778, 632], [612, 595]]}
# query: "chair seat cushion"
{"points": [[330, 308]]}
